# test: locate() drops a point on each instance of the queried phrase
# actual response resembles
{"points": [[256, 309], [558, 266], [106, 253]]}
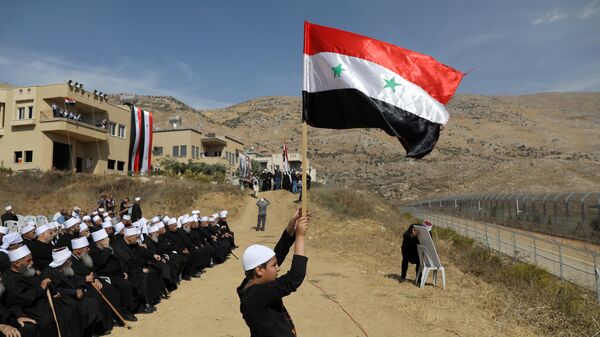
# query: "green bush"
{"points": [[199, 171]]}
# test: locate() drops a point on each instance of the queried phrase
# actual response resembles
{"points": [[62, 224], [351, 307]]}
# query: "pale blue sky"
{"points": [[215, 53]]}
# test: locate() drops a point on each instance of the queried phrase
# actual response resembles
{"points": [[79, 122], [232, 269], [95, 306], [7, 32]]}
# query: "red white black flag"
{"points": [[140, 143], [353, 81]]}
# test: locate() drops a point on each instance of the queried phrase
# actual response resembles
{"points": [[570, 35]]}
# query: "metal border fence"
{"points": [[574, 215], [571, 263]]}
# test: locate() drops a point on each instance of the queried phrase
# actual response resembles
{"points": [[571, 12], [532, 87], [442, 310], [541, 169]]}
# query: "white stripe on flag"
{"points": [[369, 78], [146, 150]]}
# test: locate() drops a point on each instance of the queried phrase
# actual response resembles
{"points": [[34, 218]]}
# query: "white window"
{"points": [[121, 130], [112, 129]]}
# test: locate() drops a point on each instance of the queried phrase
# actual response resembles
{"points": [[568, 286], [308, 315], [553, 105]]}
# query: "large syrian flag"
{"points": [[140, 143], [353, 81]]}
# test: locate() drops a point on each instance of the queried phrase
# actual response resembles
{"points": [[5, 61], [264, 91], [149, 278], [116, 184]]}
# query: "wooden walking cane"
{"points": [[53, 311], [111, 307]]}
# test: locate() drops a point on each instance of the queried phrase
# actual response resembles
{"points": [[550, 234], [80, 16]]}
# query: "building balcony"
{"points": [[22, 122], [74, 129], [213, 160]]}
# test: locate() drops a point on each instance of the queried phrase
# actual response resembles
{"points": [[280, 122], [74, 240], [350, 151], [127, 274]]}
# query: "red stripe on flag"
{"points": [[136, 163], [437, 79]]}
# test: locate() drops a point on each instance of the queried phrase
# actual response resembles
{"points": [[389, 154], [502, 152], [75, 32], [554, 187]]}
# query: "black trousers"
{"points": [[406, 261], [260, 225]]}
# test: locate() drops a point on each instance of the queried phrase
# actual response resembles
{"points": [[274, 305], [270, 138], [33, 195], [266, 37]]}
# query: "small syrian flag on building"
{"points": [[69, 101], [353, 81]]}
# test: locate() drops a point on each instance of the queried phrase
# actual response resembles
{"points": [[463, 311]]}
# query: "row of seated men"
{"points": [[133, 265]]}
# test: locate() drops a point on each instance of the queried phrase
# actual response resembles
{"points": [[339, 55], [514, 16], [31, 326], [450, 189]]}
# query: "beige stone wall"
{"points": [[92, 145]]}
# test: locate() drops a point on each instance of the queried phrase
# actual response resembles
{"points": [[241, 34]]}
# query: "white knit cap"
{"points": [[160, 225], [130, 231], [153, 229], [28, 228], [215, 215], [8, 208], [71, 222], [172, 221], [86, 218], [99, 235], [155, 219], [195, 212], [204, 219], [79, 243], [19, 253], [119, 227], [105, 214], [211, 219], [3, 230], [107, 218], [42, 229], [100, 210], [60, 256], [256, 255], [95, 213], [83, 227], [137, 199], [107, 224], [11, 239], [126, 217], [165, 220], [96, 218]]}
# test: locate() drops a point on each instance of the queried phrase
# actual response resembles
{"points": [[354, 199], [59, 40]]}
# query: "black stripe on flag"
{"points": [[142, 140], [351, 108], [132, 139]]}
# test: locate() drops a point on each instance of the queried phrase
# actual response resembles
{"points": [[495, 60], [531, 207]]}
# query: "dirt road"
{"points": [[209, 306]]}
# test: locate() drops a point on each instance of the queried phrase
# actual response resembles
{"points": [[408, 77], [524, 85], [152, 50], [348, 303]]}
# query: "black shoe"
{"points": [[130, 318], [186, 278], [402, 279], [148, 309]]}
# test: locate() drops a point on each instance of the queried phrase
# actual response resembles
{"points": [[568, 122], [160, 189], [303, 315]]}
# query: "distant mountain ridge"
{"points": [[528, 143]]}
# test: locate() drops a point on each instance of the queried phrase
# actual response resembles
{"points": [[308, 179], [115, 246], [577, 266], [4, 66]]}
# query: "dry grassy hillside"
{"points": [[529, 143]]}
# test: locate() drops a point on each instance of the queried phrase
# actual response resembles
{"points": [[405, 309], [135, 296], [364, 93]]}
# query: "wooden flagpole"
{"points": [[304, 168]]}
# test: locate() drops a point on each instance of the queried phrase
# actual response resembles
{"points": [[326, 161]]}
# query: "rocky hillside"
{"points": [[529, 144]]}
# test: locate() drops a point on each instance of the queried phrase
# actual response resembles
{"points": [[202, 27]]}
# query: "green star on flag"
{"points": [[391, 83], [337, 70]]}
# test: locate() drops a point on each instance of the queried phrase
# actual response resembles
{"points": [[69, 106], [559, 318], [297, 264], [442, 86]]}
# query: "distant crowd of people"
{"points": [[64, 113], [87, 271], [278, 179]]}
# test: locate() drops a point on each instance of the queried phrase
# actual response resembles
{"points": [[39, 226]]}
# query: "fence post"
{"points": [[487, 239], [597, 275], [499, 241], [514, 237], [560, 259], [534, 251]]}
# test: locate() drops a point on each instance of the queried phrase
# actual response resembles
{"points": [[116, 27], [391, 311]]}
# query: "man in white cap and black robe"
{"points": [[183, 246], [14, 322], [147, 283], [9, 214], [169, 270], [41, 247], [94, 318], [136, 210], [27, 291], [165, 247], [10, 241], [225, 230], [110, 268], [72, 232]]}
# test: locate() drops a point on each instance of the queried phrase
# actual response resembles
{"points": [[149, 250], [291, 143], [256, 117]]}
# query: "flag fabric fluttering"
{"points": [[353, 81], [140, 144], [286, 162], [69, 101]]}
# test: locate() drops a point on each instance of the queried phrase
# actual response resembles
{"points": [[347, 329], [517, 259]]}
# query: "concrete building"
{"points": [[187, 145], [39, 129], [271, 161]]}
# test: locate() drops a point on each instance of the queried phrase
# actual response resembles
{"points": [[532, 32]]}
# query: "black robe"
{"points": [[136, 212], [108, 267], [93, 316], [109, 291], [40, 252], [4, 262], [8, 316], [147, 286], [65, 240], [25, 292], [8, 216]]}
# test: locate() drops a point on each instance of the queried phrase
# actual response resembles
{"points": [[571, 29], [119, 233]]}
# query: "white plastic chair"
{"points": [[13, 226], [41, 220], [21, 219], [429, 263], [28, 218]]}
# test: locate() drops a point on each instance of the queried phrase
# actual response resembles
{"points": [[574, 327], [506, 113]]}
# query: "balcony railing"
{"points": [[78, 129]]}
